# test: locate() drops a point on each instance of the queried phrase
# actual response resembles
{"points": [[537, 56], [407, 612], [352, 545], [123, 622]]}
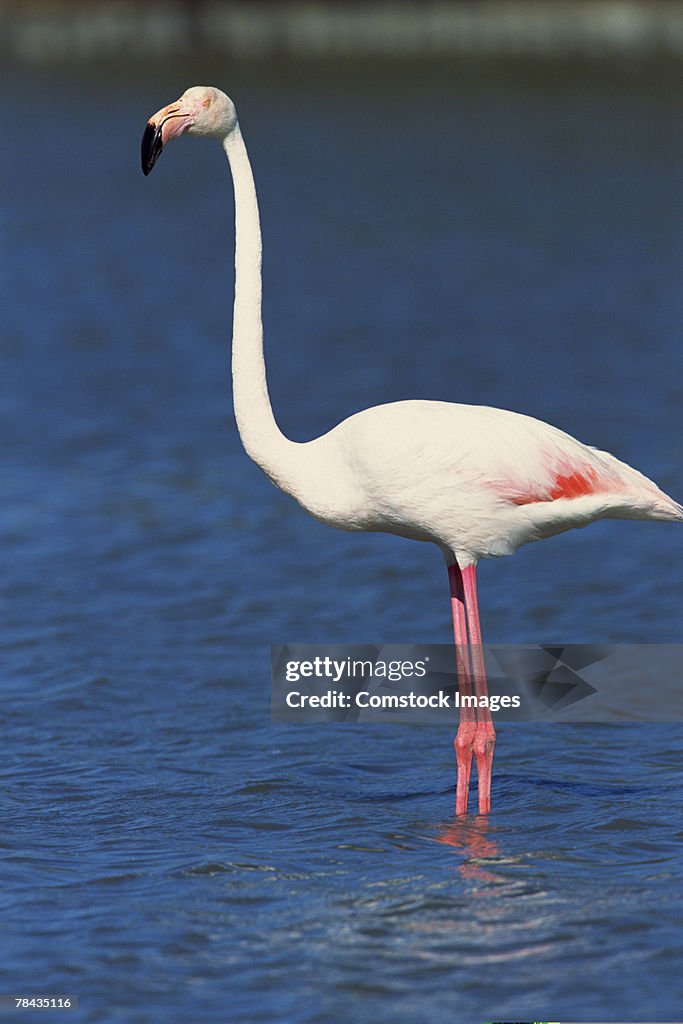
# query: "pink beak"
{"points": [[168, 123]]}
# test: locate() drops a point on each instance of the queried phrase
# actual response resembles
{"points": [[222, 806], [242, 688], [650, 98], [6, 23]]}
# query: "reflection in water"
{"points": [[470, 837]]}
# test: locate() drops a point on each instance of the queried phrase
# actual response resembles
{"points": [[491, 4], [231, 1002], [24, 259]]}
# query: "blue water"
{"points": [[509, 236]]}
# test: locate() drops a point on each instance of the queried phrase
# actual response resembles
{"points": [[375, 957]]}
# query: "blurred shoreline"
{"points": [[38, 30]]}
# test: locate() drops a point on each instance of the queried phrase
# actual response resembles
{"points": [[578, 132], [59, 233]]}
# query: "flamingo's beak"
{"points": [[168, 123], [152, 145]]}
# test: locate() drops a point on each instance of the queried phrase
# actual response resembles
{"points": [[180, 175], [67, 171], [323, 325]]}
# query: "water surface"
{"points": [[509, 237]]}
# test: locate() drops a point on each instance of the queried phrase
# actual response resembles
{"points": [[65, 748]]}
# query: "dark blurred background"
{"points": [[40, 29]]}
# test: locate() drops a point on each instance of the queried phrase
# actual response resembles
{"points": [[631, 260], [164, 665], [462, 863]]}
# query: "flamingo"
{"points": [[476, 481]]}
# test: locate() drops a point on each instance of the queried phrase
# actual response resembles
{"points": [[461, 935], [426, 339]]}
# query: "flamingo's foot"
{"points": [[483, 746], [464, 749]]}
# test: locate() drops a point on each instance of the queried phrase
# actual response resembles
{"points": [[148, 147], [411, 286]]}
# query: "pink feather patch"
{"points": [[575, 484]]}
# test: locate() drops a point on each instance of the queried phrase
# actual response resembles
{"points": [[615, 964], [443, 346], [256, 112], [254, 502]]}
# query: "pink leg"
{"points": [[464, 741], [485, 734]]}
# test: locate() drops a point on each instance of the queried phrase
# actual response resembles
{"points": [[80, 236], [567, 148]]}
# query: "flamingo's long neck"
{"points": [[260, 434]]}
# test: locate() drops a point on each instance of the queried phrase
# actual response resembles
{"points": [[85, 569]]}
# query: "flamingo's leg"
{"points": [[485, 734], [464, 740]]}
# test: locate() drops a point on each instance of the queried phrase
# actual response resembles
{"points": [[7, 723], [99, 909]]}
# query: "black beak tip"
{"points": [[151, 147]]}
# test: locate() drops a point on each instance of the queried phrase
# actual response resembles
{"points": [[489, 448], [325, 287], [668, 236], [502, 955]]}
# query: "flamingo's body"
{"points": [[477, 481]]}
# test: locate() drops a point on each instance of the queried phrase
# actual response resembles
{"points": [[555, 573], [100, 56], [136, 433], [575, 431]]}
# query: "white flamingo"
{"points": [[476, 481]]}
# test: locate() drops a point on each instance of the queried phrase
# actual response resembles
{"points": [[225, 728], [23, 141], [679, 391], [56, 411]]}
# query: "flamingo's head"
{"points": [[201, 110]]}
